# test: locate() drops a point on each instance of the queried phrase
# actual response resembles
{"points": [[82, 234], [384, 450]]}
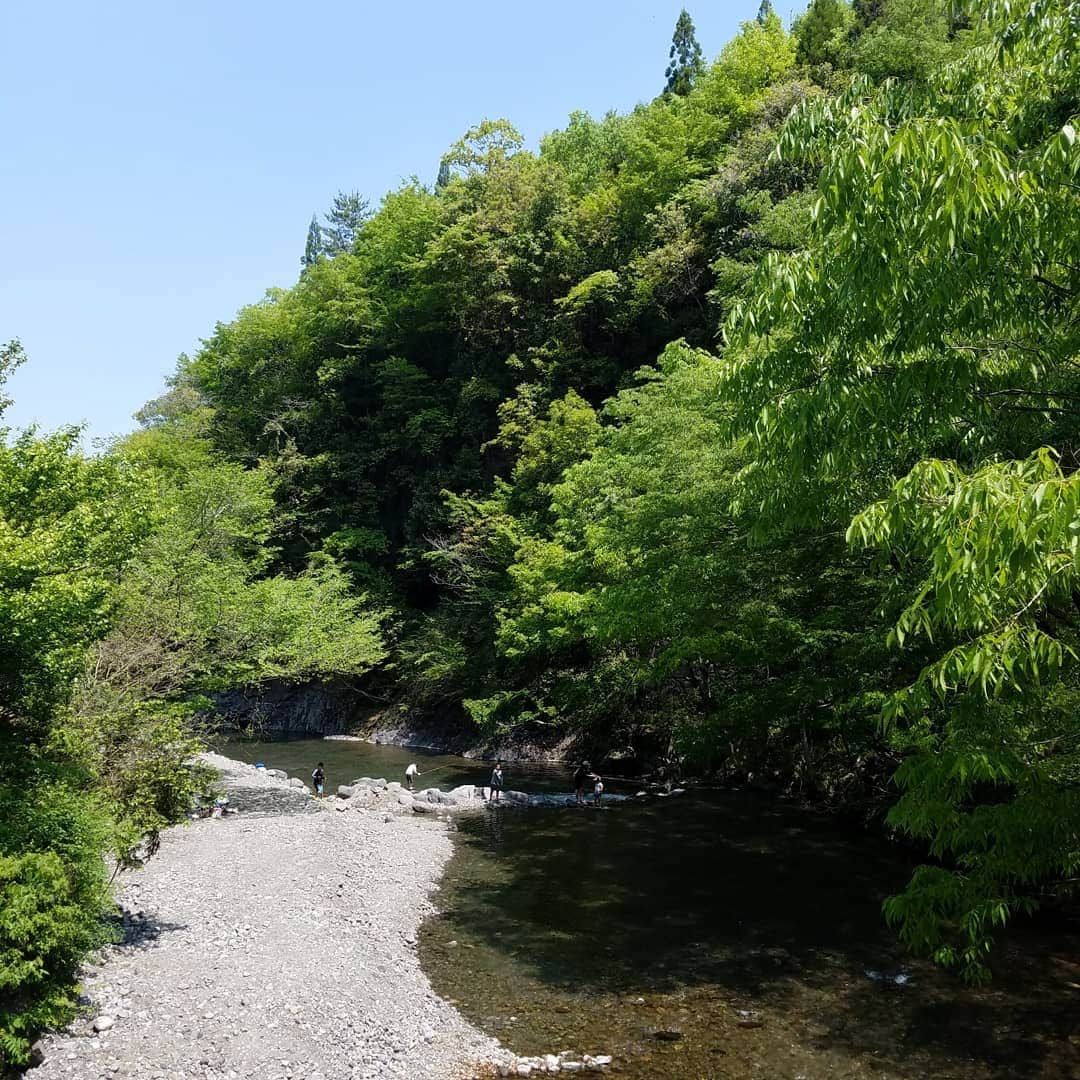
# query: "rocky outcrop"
{"points": [[315, 708]]}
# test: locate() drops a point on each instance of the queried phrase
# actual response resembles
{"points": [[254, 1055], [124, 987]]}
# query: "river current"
{"points": [[713, 935]]}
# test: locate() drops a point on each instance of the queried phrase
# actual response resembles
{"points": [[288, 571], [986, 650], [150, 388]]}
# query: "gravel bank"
{"points": [[276, 943]]}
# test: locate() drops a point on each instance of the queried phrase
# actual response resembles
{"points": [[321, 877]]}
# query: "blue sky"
{"points": [[162, 160]]}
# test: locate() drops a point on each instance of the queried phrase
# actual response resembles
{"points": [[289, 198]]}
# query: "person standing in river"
{"points": [[410, 774], [581, 776], [497, 782]]}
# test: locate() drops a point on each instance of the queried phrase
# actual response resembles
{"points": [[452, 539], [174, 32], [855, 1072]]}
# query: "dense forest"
{"points": [[735, 431]]}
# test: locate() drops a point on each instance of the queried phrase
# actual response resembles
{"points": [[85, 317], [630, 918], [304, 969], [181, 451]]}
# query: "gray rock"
{"points": [[346, 791], [465, 791], [369, 782], [296, 782], [406, 800], [103, 1023], [421, 807]]}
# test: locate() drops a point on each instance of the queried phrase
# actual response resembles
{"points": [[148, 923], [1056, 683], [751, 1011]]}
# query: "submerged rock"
{"points": [[667, 1034]]}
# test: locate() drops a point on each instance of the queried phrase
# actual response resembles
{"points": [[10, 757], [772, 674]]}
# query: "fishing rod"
{"points": [[428, 772]]}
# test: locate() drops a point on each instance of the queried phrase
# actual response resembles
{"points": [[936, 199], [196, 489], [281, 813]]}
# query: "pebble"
{"points": [[262, 908]]}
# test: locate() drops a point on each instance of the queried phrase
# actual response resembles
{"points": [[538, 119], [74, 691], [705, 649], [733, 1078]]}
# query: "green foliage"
{"points": [[344, 220], [687, 61], [313, 246], [129, 583], [67, 525], [919, 355], [908, 39], [823, 34]]}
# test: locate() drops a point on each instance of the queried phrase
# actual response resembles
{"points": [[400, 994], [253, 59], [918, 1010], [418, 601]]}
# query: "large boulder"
{"points": [[406, 800], [346, 791], [369, 781], [466, 791], [421, 807], [296, 782]]}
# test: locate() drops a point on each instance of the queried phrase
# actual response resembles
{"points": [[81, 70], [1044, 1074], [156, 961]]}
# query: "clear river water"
{"points": [[719, 934]]}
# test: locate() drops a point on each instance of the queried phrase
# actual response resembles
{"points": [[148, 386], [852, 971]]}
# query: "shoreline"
{"points": [[277, 943]]}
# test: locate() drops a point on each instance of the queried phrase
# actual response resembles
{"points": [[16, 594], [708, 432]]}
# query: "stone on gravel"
{"points": [[103, 1023]]}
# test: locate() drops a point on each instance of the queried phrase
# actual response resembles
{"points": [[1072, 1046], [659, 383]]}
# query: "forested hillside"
{"points": [[737, 430]]}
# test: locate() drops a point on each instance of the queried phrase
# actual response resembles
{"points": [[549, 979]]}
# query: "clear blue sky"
{"points": [[162, 160]]}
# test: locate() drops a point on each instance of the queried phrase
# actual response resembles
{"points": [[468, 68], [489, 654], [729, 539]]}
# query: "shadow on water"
{"points": [[597, 931]]}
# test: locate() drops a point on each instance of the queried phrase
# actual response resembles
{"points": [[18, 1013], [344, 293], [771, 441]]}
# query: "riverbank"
{"points": [[276, 943]]}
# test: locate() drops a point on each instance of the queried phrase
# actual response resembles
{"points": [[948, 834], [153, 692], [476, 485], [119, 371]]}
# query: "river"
{"points": [[720, 934]]}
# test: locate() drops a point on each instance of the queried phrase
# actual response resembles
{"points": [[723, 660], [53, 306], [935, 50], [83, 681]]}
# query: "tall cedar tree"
{"points": [[313, 249], [687, 61], [344, 221]]}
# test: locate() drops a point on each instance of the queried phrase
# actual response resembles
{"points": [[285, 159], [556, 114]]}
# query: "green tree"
{"points": [[313, 246], [823, 33], [343, 222], [686, 59], [937, 386], [68, 524]]}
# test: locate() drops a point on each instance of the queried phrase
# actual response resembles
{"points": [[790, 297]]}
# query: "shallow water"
{"points": [[347, 760], [741, 926], [740, 923]]}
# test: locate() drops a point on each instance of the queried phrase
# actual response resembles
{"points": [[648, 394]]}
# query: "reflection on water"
{"points": [[720, 935]]}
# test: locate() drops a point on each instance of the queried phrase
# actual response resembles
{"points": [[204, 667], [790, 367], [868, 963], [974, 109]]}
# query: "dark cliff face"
{"points": [[327, 708], [314, 708]]}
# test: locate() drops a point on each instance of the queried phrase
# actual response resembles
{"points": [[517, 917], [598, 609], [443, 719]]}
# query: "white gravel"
{"points": [[276, 943]]}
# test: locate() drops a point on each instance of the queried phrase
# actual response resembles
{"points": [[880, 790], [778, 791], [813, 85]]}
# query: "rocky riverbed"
{"points": [[275, 943]]}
